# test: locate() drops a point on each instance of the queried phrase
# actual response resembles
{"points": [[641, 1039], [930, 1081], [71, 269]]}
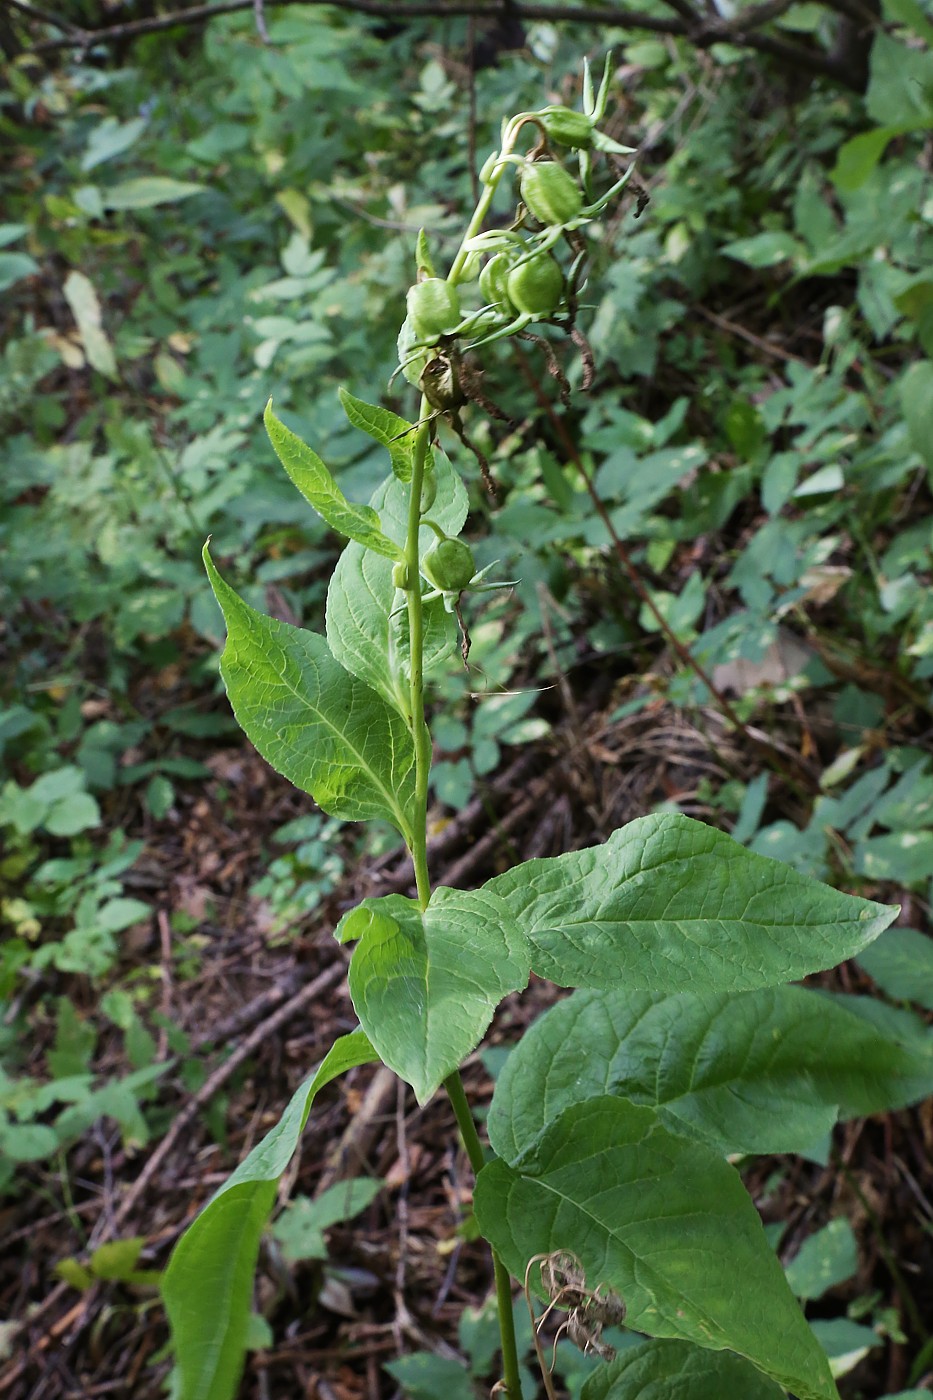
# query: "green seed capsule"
{"points": [[449, 565], [400, 576], [493, 280], [550, 193], [536, 287], [567, 127], [433, 309]]}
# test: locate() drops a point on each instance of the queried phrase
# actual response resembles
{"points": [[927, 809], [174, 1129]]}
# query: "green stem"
{"points": [[474, 1150], [419, 729], [485, 199]]}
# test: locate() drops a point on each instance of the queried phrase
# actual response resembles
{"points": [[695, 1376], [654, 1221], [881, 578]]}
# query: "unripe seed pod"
{"points": [[433, 309], [550, 193], [493, 279], [568, 128], [449, 565], [400, 576], [536, 287]]}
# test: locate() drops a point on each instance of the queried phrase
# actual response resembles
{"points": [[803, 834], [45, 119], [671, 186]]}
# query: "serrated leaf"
{"points": [[207, 1287], [320, 727], [425, 985], [668, 1370], [367, 622], [670, 904], [386, 427], [320, 490], [666, 1224], [765, 1071]]}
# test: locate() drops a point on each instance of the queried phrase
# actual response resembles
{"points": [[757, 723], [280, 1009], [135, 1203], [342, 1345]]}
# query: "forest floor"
{"points": [[260, 1008]]}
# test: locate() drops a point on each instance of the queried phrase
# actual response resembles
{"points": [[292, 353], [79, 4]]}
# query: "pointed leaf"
{"points": [[663, 1221], [386, 427], [367, 622], [666, 1370], [825, 1259], [208, 1284], [766, 1071], [670, 904], [425, 985], [322, 728], [320, 490]]}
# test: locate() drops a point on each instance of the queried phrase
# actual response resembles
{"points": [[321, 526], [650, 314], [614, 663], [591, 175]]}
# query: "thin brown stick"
{"points": [[704, 32]]}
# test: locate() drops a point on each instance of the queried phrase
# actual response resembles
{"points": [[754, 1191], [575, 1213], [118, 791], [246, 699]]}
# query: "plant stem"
{"points": [[419, 730], [474, 1150], [422, 740], [484, 202]]}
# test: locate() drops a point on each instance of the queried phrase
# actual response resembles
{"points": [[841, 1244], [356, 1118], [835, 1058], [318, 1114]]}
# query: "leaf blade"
{"points": [[320, 490], [327, 732], [425, 984], [208, 1283], [670, 904], [664, 1222]]}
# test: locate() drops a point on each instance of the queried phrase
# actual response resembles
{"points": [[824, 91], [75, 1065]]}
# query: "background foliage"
{"points": [[197, 220]]}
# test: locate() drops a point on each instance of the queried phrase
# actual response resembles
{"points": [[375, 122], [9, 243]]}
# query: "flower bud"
{"points": [[493, 279], [433, 309], [567, 127], [449, 565], [536, 287], [550, 193]]}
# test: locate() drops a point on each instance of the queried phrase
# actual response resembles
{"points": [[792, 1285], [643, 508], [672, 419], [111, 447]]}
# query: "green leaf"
{"points": [[670, 904], [764, 249], [910, 13], [147, 192], [844, 1342], [663, 1221], [901, 962], [668, 1370], [856, 159], [14, 267], [367, 623], [110, 139], [323, 729], [766, 1071], [916, 394], [300, 1228], [208, 1284], [320, 490], [425, 985], [824, 1260], [424, 1376], [386, 427]]}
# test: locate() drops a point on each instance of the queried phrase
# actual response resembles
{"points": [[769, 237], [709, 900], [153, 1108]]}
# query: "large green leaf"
{"points": [[901, 962], [320, 490], [663, 1221], [765, 1071], [670, 904], [326, 731], [367, 620], [392, 431], [208, 1284], [666, 1370], [425, 985]]}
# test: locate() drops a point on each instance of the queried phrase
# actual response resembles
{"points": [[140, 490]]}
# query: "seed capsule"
{"points": [[550, 193], [493, 280], [536, 287], [449, 565], [433, 309], [567, 127]]}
